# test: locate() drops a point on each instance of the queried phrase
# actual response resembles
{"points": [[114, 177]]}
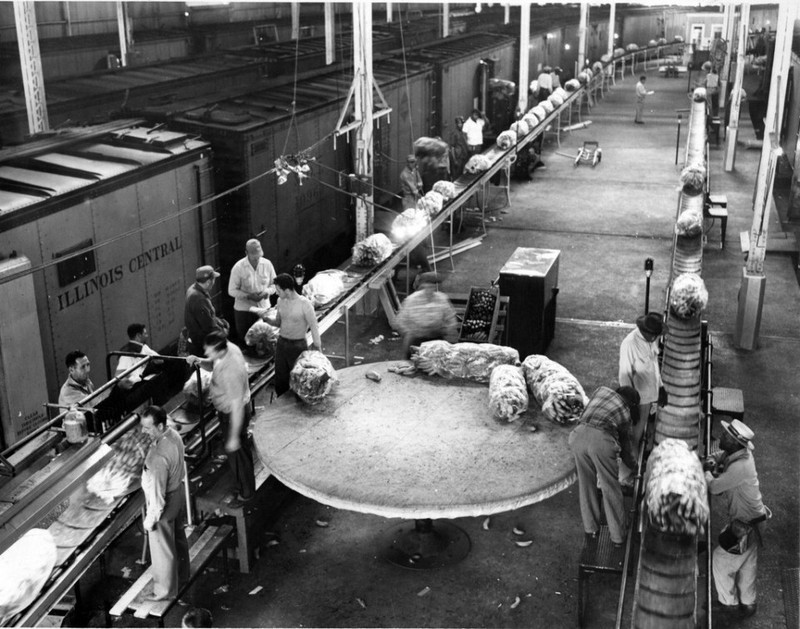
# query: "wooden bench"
{"points": [[672, 70], [785, 242], [727, 401], [715, 207], [204, 544], [214, 500]]}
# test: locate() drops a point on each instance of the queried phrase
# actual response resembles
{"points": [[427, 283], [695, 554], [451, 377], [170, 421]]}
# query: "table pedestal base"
{"points": [[421, 545]]}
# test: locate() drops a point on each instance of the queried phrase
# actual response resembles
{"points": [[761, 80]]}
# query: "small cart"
{"points": [[591, 153]]}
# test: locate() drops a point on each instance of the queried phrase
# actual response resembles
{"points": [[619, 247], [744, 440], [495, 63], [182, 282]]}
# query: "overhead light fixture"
{"points": [[478, 8], [616, 35], [566, 46]]}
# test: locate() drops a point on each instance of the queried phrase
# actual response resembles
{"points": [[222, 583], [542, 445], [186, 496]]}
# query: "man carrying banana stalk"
{"points": [[426, 315], [602, 436], [732, 475]]}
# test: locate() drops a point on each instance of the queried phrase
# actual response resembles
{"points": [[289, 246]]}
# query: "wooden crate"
{"points": [[488, 332]]}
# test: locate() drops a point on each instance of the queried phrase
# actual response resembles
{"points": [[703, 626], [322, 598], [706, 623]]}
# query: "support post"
{"points": [[524, 56], [751, 294], [31, 64], [445, 19], [330, 28], [728, 31], [582, 36], [389, 12], [507, 13], [612, 21], [362, 70], [732, 132], [295, 20], [123, 26]]}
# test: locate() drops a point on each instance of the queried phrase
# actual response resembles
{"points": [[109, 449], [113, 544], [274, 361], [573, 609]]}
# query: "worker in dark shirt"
{"points": [[199, 315], [603, 435]]}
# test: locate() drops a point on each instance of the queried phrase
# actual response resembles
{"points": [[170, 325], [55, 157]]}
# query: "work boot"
{"points": [[747, 610]]}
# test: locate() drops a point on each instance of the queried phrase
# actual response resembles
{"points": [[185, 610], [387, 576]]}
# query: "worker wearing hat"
{"points": [[199, 315], [426, 315], [732, 475], [638, 368]]}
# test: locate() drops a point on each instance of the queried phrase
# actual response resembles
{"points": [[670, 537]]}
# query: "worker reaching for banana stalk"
{"points": [[426, 315]]}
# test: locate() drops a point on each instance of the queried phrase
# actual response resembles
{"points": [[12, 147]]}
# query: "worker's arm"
{"points": [[233, 441], [156, 491], [730, 478], [627, 447], [311, 320], [626, 369]]}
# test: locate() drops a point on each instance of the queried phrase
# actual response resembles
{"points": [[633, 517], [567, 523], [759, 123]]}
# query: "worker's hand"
{"points": [[149, 523], [232, 444], [192, 361], [255, 297]]}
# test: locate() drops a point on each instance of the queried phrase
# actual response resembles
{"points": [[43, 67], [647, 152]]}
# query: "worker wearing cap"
{"points": [[199, 315], [250, 285], [732, 476], [600, 439], [426, 315], [299, 275], [638, 368]]}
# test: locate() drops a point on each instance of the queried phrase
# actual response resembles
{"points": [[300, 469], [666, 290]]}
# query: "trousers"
{"points": [[639, 111], [287, 352], [241, 461], [169, 549], [243, 319], [735, 575], [595, 455]]}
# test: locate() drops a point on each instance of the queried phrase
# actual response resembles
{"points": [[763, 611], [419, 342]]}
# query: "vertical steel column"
{"points": [[389, 12], [732, 132], [582, 36], [30, 63], [330, 28], [445, 19], [123, 29], [295, 20], [362, 71], [612, 21], [524, 55], [727, 34]]}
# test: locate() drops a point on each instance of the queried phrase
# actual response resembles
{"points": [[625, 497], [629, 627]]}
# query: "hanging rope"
{"points": [[293, 119]]}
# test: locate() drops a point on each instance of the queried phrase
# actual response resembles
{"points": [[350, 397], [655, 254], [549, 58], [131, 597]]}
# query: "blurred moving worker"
{"points": [[545, 83], [473, 129], [732, 475], [230, 395], [641, 94], [459, 149], [638, 368], [140, 384], [197, 617], [603, 435], [78, 384], [199, 315], [426, 315], [295, 317], [410, 183], [164, 520], [250, 285]]}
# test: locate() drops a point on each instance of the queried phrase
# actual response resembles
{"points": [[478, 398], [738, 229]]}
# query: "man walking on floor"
{"points": [[641, 95]]}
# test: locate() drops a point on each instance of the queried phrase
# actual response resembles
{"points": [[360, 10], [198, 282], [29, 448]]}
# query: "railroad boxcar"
{"points": [[310, 221], [113, 222]]}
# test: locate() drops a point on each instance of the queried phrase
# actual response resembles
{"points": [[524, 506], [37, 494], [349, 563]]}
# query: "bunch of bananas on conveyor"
{"points": [[555, 388], [676, 494], [688, 297], [114, 478]]}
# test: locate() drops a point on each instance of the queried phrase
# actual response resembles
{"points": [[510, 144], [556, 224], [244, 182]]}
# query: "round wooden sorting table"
{"points": [[419, 448]]}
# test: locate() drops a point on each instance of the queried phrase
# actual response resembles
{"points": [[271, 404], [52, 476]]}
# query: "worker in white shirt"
{"points": [[545, 81], [473, 129], [250, 285]]}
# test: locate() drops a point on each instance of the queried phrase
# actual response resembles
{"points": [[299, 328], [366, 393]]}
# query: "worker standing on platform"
{"points": [[545, 83], [426, 315], [199, 315], [250, 285], [601, 437], [641, 95], [638, 368], [459, 149], [410, 183], [162, 484], [732, 475], [295, 317], [473, 129], [230, 394]]}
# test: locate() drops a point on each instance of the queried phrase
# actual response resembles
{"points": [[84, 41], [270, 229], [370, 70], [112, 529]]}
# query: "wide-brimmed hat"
{"points": [[205, 273], [740, 431], [651, 323]]}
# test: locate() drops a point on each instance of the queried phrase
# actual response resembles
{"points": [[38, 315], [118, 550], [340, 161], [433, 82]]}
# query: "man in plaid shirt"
{"points": [[602, 436]]}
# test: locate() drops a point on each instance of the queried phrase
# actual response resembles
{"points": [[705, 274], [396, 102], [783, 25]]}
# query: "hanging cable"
{"points": [[293, 119]]}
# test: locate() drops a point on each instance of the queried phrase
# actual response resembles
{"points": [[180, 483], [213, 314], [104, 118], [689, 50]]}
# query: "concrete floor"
{"points": [[605, 221]]}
